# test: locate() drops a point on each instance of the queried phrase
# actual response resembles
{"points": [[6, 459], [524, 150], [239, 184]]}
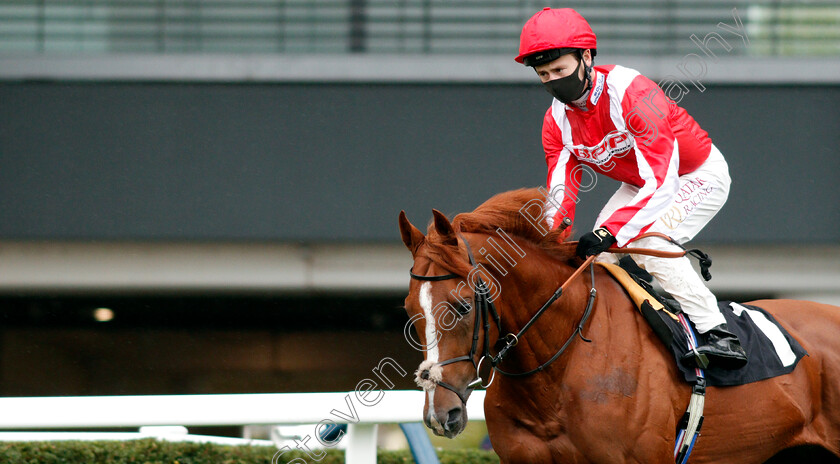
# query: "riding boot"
{"points": [[722, 350]]}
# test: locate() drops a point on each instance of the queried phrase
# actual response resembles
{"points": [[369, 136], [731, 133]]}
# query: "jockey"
{"points": [[614, 121]]}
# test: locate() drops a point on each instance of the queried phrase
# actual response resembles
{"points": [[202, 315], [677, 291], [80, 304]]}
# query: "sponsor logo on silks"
{"points": [[673, 217], [598, 90], [692, 194], [688, 190], [616, 143]]}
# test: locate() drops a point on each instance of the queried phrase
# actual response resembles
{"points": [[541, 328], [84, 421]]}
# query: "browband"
{"points": [[431, 278]]}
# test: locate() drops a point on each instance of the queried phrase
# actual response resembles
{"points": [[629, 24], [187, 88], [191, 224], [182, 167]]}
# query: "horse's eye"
{"points": [[464, 308]]}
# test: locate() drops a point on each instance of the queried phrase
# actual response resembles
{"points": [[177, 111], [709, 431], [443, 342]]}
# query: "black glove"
{"points": [[594, 242]]}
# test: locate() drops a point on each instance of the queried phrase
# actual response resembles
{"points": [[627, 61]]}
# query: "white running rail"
{"points": [[361, 413]]}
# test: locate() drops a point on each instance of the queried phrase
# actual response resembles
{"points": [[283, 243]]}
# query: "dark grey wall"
{"points": [[336, 162]]}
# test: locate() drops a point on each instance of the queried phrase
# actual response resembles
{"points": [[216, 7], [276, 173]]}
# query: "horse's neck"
{"points": [[547, 399], [524, 293], [527, 285], [613, 321]]}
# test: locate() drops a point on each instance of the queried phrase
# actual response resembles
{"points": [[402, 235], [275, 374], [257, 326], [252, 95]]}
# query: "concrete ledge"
{"points": [[29, 267], [389, 68]]}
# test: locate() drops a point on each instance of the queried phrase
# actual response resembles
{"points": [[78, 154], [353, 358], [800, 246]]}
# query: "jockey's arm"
{"points": [[561, 184]]}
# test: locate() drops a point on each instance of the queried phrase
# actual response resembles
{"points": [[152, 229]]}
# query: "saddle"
{"points": [[771, 350]]}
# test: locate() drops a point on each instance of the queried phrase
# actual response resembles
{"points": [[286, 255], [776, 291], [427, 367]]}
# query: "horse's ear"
{"points": [[444, 228], [411, 236]]}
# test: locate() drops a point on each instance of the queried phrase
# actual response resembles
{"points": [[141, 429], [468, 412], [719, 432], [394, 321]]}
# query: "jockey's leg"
{"points": [[608, 258], [678, 277], [701, 195]]}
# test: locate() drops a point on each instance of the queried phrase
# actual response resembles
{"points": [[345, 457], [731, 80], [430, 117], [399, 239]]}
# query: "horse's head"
{"points": [[453, 296], [442, 307]]}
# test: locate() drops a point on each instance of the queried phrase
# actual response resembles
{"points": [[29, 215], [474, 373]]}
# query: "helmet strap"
{"points": [[586, 70]]}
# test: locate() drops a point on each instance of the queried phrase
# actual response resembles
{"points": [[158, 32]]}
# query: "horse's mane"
{"points": [[502, 211]]}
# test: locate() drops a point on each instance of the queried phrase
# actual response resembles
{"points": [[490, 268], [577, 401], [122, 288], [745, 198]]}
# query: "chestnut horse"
{"points": [[616, 399]]}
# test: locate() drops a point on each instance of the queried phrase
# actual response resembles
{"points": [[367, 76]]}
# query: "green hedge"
{"points": [[150, 451]]}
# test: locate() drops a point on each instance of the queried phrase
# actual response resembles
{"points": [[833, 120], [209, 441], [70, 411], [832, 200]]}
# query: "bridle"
{"points": [[485, 308]]}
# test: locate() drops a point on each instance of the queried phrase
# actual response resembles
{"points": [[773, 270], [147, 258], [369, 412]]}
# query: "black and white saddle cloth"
{"points": [[771, 350]]}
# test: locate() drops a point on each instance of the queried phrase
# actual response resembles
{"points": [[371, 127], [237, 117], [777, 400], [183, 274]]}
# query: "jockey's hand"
{"points": [[592, 243]]}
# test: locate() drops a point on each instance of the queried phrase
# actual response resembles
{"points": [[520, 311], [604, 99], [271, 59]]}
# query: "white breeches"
{"points": [[702, 193]]}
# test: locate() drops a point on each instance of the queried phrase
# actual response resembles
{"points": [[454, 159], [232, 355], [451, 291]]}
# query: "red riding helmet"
{"points": [[553, 29]]}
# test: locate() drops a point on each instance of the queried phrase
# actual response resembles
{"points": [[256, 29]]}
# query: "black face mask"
{"points": [[570, 88]]}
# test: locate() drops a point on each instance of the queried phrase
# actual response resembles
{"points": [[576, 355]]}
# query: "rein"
{"points": [[485, 308], [704, 259]]}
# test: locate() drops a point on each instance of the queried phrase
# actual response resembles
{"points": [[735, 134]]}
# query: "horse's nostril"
{"points": [[425, 374], [453, 418]]}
